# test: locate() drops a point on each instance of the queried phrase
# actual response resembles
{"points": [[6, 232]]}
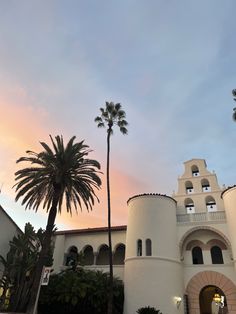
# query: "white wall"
{"points": [[8, 229], [95, 239], [229, 197]]}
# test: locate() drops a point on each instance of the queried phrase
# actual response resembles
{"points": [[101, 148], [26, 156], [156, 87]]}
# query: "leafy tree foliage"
{"points": [[80, 291], [111, 115], [19, 268], [56, 176]]}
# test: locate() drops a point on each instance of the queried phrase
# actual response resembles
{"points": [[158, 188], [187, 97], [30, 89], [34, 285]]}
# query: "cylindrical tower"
{"points": [[153, 271], [229, 198]]}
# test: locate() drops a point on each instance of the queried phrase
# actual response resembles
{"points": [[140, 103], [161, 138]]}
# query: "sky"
{"points": [[169, 63]]}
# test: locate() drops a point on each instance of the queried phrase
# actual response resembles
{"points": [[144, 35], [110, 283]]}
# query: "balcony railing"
{"points": [[218, 216]]}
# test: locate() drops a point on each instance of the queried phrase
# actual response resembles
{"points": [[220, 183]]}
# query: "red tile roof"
{"points": [[91, 230]]}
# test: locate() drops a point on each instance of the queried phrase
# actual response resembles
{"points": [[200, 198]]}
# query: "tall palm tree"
{"points": [[111, 115], [234, 109], [57, 175]]}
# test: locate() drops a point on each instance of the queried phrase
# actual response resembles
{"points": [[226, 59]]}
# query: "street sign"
{"points": [[46, 275]]}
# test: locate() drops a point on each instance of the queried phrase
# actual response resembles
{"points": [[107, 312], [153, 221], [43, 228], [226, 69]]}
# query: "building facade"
{"points": [[176, 253], [9, 229]]}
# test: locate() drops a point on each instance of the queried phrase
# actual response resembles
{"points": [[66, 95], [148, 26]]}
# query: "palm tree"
{"points": [[111, 115], [234, 109], [56, 176]]}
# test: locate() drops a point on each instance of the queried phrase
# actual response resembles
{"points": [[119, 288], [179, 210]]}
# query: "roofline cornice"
{"points": [[91, 230], [150, 194]]}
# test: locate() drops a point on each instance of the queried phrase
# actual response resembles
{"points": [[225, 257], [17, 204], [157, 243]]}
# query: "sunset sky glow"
{"points": [[171, 64]]}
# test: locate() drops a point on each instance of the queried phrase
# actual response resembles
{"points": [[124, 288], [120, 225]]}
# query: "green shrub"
{"points": [[80, 291], [148, 310]]}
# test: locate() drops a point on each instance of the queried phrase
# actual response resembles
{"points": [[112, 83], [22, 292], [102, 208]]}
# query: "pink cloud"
{"points": [[123, 187], [21, 128]]}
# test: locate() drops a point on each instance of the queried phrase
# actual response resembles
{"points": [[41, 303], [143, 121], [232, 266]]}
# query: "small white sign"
{"points": [[46, 275]]}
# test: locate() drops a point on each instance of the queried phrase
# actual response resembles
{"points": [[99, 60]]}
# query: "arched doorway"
{"points": [[210, 278], [207, 305]]}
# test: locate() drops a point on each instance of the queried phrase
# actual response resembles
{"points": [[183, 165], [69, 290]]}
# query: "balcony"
{"points": [[217, 216]]}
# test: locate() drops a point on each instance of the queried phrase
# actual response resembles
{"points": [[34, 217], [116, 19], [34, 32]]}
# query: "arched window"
{"points": [[119, 255], [216, 255], [197, 255], [88, 256], [72, 256], [139, 247], [103, 255], [189, 187], [211, 204], [189, 205], [205, 185], [195, 171], [148, 247]]}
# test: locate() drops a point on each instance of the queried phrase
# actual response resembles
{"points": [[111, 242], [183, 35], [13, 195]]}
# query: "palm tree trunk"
{"points": [[18, 297], [110, 288], [44, 251]]}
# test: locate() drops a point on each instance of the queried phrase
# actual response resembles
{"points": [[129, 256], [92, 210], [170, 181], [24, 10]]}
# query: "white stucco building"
{"points": [[8, 229], [175, 252]]}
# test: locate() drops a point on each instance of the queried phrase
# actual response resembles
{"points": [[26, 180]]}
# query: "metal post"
{"points": [[38, 292]]}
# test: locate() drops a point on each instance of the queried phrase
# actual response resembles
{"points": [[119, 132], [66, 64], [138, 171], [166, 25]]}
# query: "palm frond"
{"points": [[101, 125], [121, 123], [110, 107], [123, 130], [117, 106], [98, 119], [47, 148], [121, 114]]}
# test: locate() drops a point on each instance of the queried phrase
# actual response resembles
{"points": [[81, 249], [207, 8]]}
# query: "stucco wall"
{"points": [[8, 230], [95, 239], [229, 198], [153, 281]]}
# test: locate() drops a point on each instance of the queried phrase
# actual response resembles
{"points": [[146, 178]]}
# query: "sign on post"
{"points": [[46, 275]]}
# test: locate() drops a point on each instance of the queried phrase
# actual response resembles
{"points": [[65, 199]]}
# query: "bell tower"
{"points": [[198, 189]]}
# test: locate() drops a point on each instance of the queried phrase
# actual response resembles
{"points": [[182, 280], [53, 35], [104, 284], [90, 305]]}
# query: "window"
{"points": [[189, 205], [139, 247], [197, 255], [216, 255], [195, 171], [148, 247]]}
